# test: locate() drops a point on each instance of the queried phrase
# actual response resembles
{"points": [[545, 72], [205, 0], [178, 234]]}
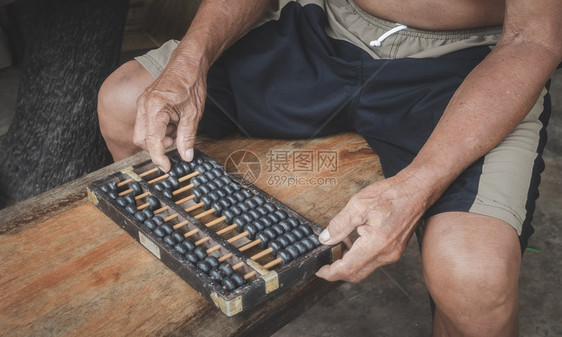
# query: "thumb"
{"points": [[341, 226]]}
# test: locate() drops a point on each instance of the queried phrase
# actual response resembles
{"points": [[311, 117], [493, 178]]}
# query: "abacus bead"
{"points": [[286, 256], [226, 180], [262, 210], [150, 224], [269, 207], [188, 245], [200, 252], [314, 238], [174, 160], [165, 184], [131, 208], [247, 217], [293, 222], [298, 233], [281, 214], [136, 187], [293, 251], [252, 230], [292, 237], [239, 222], [255, 214], [232, 199], [158, 187], [284, 241], [196, 181], [170, 240], [235, 186], [278, 229], [147, 213], [207, 201], [239, 195], [226, 269], [105, 188], [212, 261], [308, 244], [172, 173], [153, 202], [210, 176], [285, 226], [181, 249], [221, 193], [251, 203], [238, 279], [204, 266], [305, 229], [174, 182], [258, 199], [129, 199], [301, 247], [218, 208], [214, 195], [229, 214], [259, 225], [185, 167], [178, 169], [113, 194], [247, 193], [121, 202], [178, 236], [191, 257], [200, 169], [270, 233], [168, 193], [208, 166], [224, 203], [274, 218], [276, 246], [228, 284], [216, 275], [243, 207], [264, 238], [139, 216], [158, 220], [228, 189], [198, 193], [110, 186], [159, 232], [167, 228], [211, 186]]}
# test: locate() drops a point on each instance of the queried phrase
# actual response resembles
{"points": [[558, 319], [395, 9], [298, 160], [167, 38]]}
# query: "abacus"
{"points": [[229, 240]]}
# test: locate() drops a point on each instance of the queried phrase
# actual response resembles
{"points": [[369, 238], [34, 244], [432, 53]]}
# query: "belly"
{"points": [[438, 14]]}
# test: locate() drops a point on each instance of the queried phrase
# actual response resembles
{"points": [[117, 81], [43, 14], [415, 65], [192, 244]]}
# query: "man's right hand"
{"points": [[175, 101]]}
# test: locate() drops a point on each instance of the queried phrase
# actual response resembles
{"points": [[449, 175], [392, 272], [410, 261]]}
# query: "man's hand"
{"points": [[385, 215], [174, 102]]}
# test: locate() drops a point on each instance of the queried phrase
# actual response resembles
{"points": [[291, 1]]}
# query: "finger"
{"points": [[355, 265], [156, 131], [343, 224], [186, 132], [139, 131]]}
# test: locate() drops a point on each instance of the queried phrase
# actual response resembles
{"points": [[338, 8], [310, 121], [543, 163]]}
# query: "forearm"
{"points": [[216, 26], [490, 103]]}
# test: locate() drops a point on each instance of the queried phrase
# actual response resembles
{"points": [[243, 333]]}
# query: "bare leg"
{"points": [[471, 266], [117, 107]]}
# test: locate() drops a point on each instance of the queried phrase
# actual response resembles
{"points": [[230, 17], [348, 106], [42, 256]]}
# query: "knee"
{"points": [[117, 99]]}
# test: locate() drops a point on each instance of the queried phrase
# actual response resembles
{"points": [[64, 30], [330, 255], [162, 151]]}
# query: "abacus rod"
{"points": [[225, 257], [185, 188], [142, 175], [189, 176], [207, 212], [216, 221], [181, 201], [273, 263], [262, 254], [202, 241], [180, 224], [194, 207], [226, 229], [238, 237], [142, 195], [170, 217], [250, 245]]}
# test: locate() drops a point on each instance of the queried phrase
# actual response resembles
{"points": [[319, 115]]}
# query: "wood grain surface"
{"points": [[66, 269]]}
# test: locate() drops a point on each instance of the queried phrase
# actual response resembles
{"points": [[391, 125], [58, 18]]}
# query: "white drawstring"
{"points": [[377, 42]]}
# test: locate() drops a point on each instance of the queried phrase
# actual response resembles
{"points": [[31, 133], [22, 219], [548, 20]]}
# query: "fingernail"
{"points": [[324, 236], [189, 155]]}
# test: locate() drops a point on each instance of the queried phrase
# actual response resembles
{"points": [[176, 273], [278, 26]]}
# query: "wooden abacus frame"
{"points": [[261, 282]]}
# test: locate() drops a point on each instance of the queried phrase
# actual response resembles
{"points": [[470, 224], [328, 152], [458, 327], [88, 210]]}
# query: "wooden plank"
{"points": [[69, 270]]}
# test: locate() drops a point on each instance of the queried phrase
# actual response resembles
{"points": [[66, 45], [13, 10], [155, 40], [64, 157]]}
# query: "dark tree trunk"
{"points": [[71, 46]]}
